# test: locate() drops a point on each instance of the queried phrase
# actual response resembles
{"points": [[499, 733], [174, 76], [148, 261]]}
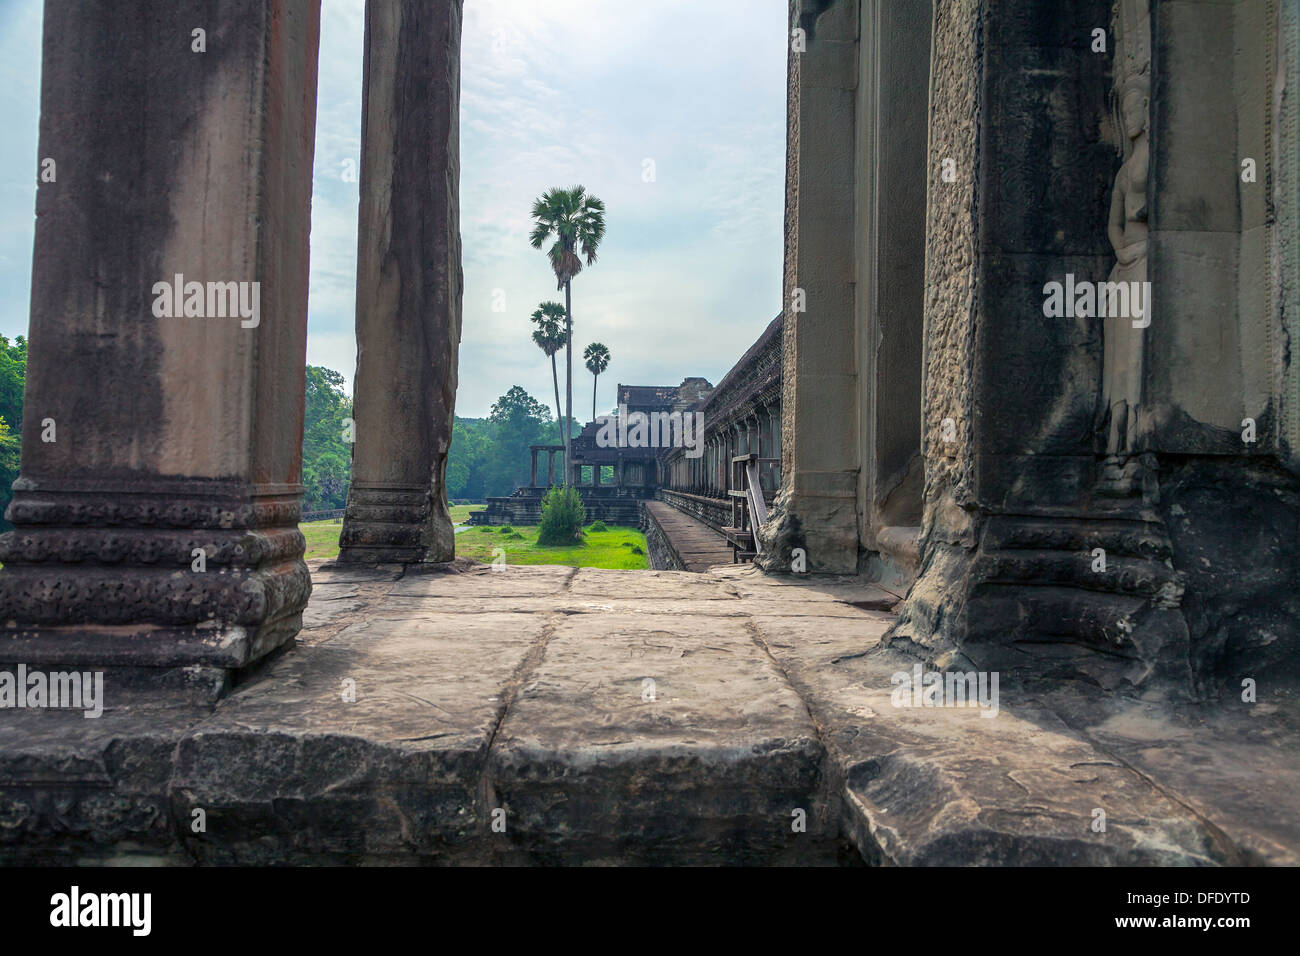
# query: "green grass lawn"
{"points": [[601, 549], [323, 536], [461, 513]]}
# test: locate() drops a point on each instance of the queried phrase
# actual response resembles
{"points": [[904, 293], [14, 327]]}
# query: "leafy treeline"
{"points": [[13, 376], [489, 456], [326, 452]]}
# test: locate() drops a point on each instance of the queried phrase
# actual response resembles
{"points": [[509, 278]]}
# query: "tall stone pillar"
{"points": [[532, 467], [816, 508], [159, 495], [408, 285]]}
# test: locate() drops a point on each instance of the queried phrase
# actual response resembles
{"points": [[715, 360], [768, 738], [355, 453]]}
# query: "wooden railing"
{"points": [[748, 506]]}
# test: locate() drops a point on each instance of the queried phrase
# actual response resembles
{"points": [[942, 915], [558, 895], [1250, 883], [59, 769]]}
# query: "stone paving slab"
{"points": [[668, 585], [652, 738], [697, 545], [945, 785], [484, 581], [365, 747], [518, 697], [751, 583], [1235, 764]]}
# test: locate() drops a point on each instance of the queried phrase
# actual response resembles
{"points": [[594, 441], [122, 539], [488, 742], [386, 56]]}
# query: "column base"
{"points": [[407, 525], [821, 523], [147, 583]]}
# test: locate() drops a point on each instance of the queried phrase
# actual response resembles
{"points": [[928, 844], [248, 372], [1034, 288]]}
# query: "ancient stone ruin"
{"points": [[994, 533]]}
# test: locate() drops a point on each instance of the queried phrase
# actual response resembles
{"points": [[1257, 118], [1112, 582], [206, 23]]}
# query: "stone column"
{"points": [[550, 468], [816, 509], [532, 467], [159, 494], [408, 285]]}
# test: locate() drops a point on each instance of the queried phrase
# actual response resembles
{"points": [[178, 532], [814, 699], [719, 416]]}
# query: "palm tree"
{"points": [[597, 358], [578, 223], [549, 337]]}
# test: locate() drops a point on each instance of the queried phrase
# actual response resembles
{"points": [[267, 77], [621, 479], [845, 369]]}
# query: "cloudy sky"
{"points": [[553, 94]]}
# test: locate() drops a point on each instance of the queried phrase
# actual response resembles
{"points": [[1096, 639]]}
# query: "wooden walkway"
{"points": [[697, 545]]}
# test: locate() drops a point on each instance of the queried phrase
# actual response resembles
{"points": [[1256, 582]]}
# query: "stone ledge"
{"points": [[538, 707], [944, 786]]}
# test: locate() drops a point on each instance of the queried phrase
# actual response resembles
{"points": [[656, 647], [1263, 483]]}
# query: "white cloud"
{"points": [[564, 92]]}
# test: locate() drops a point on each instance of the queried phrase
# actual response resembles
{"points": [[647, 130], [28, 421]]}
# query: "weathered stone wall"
{"points": [[714, 512], [1284, 113], [1020, 494], [659, 550], [949, 519]]}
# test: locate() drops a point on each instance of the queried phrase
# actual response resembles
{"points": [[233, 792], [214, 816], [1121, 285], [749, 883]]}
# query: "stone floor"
{"points": [[554, 715], [696, 546]]}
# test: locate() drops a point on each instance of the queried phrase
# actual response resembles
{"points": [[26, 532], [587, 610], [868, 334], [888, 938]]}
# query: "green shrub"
{"points": [[515, 536], [562, 514], [597, 526], [506, 529], [637, 549]]}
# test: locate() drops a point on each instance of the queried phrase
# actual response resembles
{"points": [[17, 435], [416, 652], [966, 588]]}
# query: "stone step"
{"points": [[1119, 537], [1004, 612], [1037, 568], [548, 715]]}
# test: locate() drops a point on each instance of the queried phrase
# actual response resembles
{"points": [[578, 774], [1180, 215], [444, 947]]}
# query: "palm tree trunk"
{"points": [[568, 378], [594, 379], [559, 412]]}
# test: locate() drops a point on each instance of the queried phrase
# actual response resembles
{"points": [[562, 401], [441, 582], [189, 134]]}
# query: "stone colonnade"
{"points": [[551, 451], [948, 161], [741, 416], [755, 429], [157, 507]]}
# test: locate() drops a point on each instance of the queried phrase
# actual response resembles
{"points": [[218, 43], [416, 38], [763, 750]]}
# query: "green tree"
{"points": [[577, 221], [13, 380], [519, 420], [597, 359], [326, 454], [549, 337]]}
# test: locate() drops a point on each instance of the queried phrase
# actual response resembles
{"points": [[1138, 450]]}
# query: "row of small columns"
{"points": [[551, 452], [619, 479], [758, 433]]}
